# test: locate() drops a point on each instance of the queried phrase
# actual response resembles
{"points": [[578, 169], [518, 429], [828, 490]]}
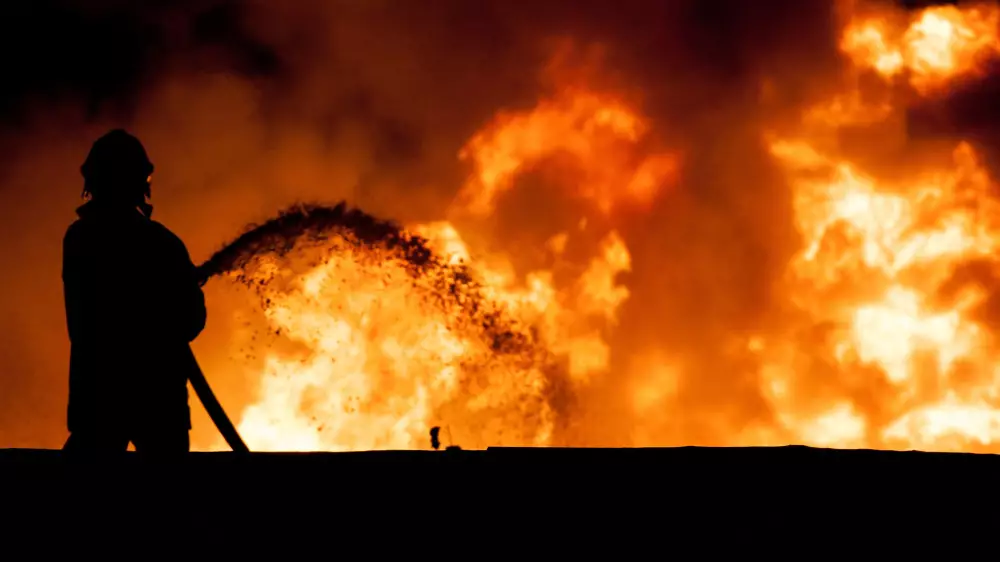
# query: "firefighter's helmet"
{"points": [[117, 162]]}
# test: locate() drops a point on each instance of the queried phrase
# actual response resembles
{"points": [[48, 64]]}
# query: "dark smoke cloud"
{"points": [[248, 107]]}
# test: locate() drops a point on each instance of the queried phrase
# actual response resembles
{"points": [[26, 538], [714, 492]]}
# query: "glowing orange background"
{"points": [[714, 245]]}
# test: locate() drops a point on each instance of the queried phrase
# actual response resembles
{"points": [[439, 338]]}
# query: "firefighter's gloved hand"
{"points": [[201, 274]]}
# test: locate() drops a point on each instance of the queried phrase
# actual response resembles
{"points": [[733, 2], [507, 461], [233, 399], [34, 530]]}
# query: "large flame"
{"points": [[893, 275], [383, 360], [885, 303]]}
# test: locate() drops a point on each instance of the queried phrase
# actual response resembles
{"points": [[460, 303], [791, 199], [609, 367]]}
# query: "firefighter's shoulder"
{"points": [[167, 237], [75, 233]]}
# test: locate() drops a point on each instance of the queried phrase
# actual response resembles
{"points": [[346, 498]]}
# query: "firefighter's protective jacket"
{"points": [[133, 306]]}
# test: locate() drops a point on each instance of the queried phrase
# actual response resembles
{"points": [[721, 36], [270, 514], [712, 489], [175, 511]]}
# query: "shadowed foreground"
{"points": [[54, 462], [728, 486], [651, 467]]}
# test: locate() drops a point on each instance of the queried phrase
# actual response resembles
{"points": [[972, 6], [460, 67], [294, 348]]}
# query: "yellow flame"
{"points": [[882, 341], [380, 363], [881, 265], [939, 43]]}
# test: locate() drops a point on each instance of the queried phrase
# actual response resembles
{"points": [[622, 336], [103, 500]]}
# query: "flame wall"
{"points": [[715, 215]]}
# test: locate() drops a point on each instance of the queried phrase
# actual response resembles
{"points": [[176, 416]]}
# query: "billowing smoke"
{"points": [[247, 108]]}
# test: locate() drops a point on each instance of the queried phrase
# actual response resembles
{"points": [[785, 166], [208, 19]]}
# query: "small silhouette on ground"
{"points": [[436, 441]]}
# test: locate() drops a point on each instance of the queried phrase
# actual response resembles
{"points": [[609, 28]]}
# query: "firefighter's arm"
{"points": [[187, 311], [193, 309]]}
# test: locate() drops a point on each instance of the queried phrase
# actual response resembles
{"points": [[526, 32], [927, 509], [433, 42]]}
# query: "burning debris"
{"points": [[400, 327], [448, 305], [313, 227]]}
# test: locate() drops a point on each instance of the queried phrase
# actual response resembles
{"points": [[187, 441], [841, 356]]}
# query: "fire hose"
{"points": [[213, 407], [215, 411]]}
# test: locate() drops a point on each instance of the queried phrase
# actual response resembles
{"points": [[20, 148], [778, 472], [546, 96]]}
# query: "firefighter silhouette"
{"points": [[133, 305]]}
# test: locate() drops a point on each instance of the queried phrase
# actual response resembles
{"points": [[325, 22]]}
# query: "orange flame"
{"points": [[882, 338], [876, 260], [889, 308], [939, 44], [589, 127], [381, 361]]}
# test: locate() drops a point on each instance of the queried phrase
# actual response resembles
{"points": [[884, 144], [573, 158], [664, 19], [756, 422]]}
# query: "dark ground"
{"points": [[507, 494]]}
